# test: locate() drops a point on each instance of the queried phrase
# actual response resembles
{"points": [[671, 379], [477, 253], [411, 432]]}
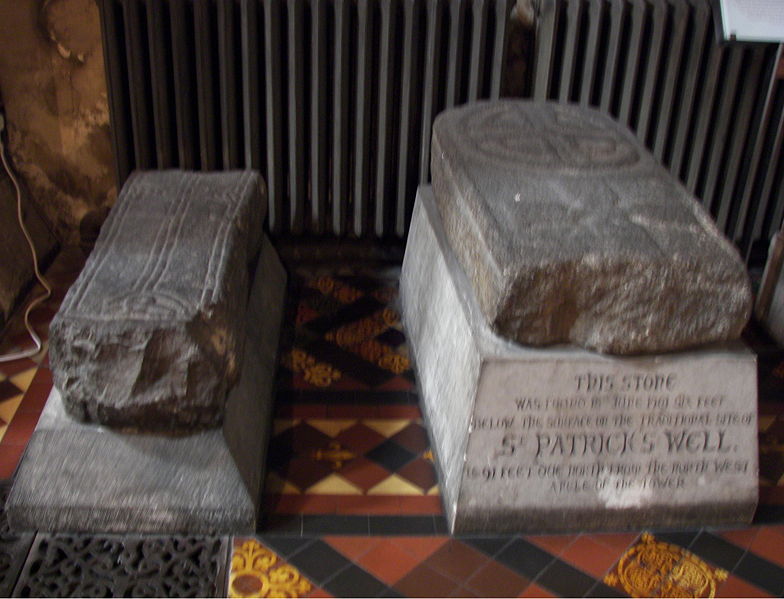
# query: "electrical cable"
{"points": [[29, 353]]}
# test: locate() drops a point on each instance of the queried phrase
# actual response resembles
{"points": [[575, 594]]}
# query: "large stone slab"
{"points": [[570, 232], [85, 477], [150, 336], [557, 439]]}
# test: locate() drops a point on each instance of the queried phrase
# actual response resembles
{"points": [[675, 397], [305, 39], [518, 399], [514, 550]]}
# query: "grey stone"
{"points": [[560, 438], [570, 232], [78, 477], [149, 337]]}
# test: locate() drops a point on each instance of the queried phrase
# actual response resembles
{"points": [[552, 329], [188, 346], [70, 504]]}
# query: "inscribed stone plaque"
{"points": [[565, 439], [150, 336], [570, 232]]}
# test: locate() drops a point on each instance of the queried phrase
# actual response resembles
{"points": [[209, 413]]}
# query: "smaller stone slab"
{"points": [[149, 338], [80, 477], [570, 232], [562, 439]]}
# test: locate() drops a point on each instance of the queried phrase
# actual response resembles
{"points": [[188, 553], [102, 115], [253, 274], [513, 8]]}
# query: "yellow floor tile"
{"points": [[334, 484], [395, 485], [331, 427], [23, 379], [387, 427]]}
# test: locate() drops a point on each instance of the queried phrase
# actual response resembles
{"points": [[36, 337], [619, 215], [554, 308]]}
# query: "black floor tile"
{"points": [[355, 582], [681, 538], [319, 562], [390, 592], [390, 455], [402, 525], [524, 558], [335, 525], [440, 525], [487, 545], [764, 574], [564, 580], [716, 550], [602, 590], [281, 524], [285, 545], [769, 514]]}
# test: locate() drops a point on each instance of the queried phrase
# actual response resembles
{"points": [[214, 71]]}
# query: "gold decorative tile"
{"points": [[652, 568], [333, 454], [387, 426], [258, 572], [332, 427]]}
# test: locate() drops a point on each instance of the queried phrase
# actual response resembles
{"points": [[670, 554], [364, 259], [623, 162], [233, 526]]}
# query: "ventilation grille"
{"points": [[712, 113], [332, 100]]}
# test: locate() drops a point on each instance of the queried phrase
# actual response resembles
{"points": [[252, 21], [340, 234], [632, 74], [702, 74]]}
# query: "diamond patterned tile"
{"points": [[421, 472], [413, 437], [353, 547], [9, 390], [390, 455], [457, 560]]}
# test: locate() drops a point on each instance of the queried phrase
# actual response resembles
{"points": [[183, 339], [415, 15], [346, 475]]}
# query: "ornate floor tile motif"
{"points": [[653, 568], [257, 571], [112, 566]]}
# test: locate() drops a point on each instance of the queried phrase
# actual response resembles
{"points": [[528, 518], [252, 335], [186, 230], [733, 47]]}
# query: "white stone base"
{"points": [[557, 439], [87, 478]]}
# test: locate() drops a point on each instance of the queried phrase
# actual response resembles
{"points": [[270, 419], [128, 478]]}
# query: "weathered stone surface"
{"points": [[150, 335], [557, 439], [16, 262], [54, 89], [570, 232], [83, 477]]}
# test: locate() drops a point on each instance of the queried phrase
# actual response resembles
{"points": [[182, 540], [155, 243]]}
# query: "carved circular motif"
{"points": [[544, 137], [655, 569]]}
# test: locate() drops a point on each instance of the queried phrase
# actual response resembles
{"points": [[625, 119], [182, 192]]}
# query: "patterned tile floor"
{"points": [[352, 501]]}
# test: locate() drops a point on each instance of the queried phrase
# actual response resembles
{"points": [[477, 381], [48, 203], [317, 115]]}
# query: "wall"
{"points": [[53, 87]]}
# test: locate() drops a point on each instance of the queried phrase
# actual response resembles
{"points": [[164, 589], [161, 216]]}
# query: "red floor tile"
{"points": [[388, 562], [769, 544], [591, 557], [399, 412], [534, 590], [316, 592], [463, 592], [353, 547], [420, 547], [368, 504], [11, 368], [554, 544], [742, 537], [619, 541], [495, 580], [457, 560], [21, 428], [301, 411], [735, 587], [302, 504], [425, 504], [426, 582]]}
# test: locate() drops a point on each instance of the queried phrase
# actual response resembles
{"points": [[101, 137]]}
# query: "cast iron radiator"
{"points": [[332, 100], [712, 113]]}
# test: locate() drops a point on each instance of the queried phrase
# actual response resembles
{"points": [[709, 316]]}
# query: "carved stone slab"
{"points": [[85, 477], [150, 335], [570, 232], [557, 439]]}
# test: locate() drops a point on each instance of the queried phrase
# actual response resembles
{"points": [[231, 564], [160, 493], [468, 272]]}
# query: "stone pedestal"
{"points": [[85, 477], [557, 439]]}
